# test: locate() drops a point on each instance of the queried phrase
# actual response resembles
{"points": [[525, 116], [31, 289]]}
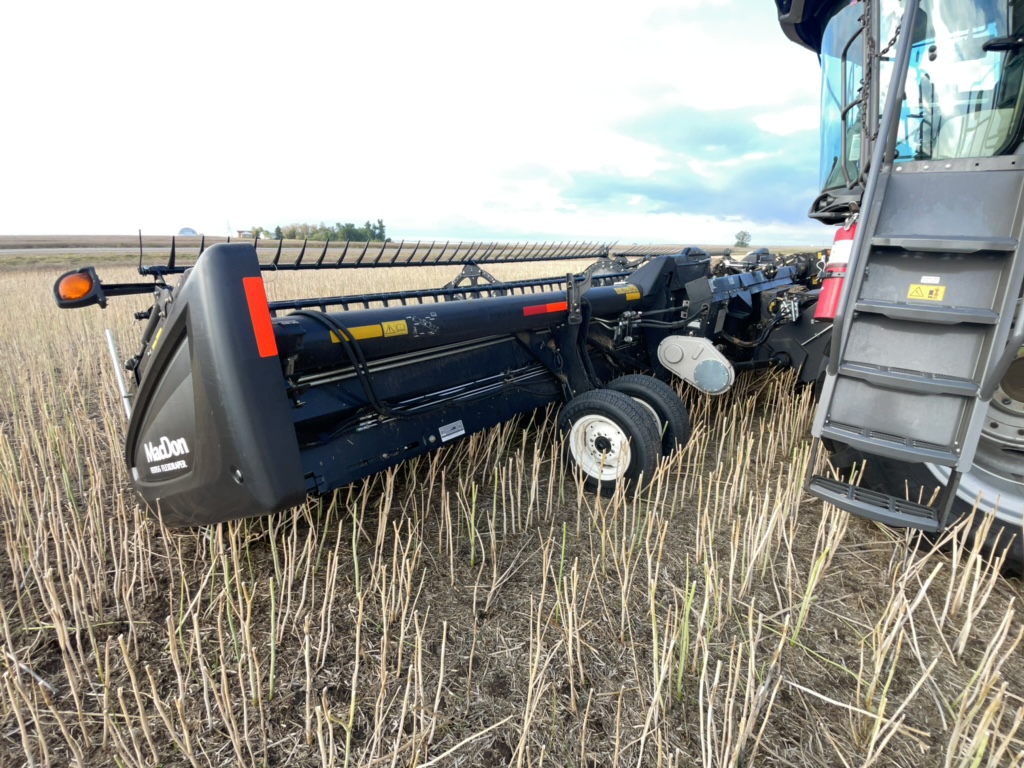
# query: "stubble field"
{"points": [[475, 607]]}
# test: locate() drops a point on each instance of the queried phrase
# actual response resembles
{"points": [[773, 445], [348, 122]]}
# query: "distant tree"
{"points": [[320, 232], [334, 233], [742, 238]]}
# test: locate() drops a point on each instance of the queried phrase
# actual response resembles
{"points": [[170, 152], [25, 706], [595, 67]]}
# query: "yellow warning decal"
{"points": [[361, 332], [920, 292], [156, 338], [395, 328], [631, 292]]}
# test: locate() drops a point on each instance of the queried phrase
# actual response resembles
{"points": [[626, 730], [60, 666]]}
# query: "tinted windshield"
{"points": [[963, 89], [961, 99], [842, 54]]}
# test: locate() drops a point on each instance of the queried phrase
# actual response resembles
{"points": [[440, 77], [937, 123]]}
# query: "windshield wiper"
{"points": [[1008, 43]]}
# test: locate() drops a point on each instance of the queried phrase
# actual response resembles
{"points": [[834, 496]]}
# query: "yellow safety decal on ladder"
{"points": [[390, 328], [152, 347], [920, 292], [631, 292]]}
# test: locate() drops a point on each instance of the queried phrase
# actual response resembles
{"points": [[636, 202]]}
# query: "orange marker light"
{"points": [[75, 286]]}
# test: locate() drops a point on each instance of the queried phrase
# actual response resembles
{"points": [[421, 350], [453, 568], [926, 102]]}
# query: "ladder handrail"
{"points": [[883, 150]]}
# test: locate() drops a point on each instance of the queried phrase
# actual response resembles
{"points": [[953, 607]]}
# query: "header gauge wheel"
{"points": [[611, 438], [662, 402]]}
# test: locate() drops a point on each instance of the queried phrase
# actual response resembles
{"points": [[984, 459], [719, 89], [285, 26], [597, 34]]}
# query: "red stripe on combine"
{"points": [[259, 311], [543, 309]]}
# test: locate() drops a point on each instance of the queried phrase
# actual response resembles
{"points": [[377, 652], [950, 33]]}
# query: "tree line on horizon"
{"points": [[336, 232]]}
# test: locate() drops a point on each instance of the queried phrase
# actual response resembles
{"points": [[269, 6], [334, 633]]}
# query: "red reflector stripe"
{"points": [[543, 309], [256, 295]]}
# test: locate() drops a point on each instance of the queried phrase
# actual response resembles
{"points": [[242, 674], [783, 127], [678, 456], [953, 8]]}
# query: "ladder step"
{"points": [[945, 244], [908, 380], [893, 446], [939, 315], [874, 505]]}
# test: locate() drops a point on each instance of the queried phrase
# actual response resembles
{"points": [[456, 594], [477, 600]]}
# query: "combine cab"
{"points": [[239, 406], [921, 138]]}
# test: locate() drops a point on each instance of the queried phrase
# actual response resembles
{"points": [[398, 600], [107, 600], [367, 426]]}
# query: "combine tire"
{"points": [[611, 439], [662, 402], [913, 481]]}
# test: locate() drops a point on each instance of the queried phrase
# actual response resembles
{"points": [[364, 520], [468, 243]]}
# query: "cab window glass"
{"points": [[963, 87]]}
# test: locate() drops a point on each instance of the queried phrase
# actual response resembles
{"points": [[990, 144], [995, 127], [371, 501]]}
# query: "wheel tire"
{"points": [[905, 480], [611, 438], [661, 400]]}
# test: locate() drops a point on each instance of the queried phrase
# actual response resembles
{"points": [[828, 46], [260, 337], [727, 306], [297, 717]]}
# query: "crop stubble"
{"points": [[475, 607]]}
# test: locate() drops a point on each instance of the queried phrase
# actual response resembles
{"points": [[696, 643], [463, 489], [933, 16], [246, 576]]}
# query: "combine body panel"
{"points": [[921, 137], [243, 406]]}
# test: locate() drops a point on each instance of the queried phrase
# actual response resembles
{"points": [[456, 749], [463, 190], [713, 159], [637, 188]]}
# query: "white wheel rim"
{"points": [[600, 447], [657, 419]]}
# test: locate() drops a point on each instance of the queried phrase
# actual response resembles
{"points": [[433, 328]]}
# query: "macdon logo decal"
{"points": [[165, 449]]}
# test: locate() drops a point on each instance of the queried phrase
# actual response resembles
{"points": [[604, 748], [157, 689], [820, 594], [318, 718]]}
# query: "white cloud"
{"points": [[789, 121], [126, 115]]}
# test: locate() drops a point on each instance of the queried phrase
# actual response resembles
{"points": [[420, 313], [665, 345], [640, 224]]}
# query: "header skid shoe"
{"points": [[211, 438]]}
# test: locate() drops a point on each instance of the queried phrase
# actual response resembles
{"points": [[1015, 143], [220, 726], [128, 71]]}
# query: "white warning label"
{"points": [[451, 431], [172, 466]]}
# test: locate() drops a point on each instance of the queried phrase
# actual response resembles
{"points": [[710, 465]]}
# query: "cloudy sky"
{"points": [[646, 121]]}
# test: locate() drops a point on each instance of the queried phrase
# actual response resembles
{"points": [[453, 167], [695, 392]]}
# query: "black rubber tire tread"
{"points": [[635, 422], [903, 479], [665, 402]]}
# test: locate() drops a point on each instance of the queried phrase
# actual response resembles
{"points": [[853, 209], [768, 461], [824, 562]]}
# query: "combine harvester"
{"points": [[241, 407], [921, 162]]}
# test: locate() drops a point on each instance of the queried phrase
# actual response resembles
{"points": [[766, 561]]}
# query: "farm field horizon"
{"points": [[71, 251], [472, 607]]}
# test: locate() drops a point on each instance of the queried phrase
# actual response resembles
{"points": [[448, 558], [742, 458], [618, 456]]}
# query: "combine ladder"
{"points": [[925, 329]]}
